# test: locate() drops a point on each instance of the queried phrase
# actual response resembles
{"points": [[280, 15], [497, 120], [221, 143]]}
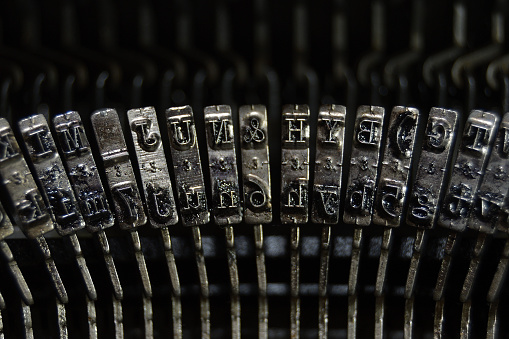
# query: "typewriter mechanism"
{"points": [[254, 169]]}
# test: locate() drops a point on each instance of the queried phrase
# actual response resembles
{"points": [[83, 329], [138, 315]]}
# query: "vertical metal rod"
{"points": [[414, 263], [473, 268], [142, 266], [438, 326], [2, 307], [294, 282], [26, 295], [465, 329], [352, 283], [118, 293], [323, 301], [492, 329], [147, 287], [92, 319], [500, 274], [380, 282], [263, 309], [409, 318], [352, 317], [204, 283], [62, 320], [110, 265], [438, 293], [175, 283], [234, 281], [148, 317], [118, 318], [379, 316], [82, 265], [52, 270], [27, 321], [410, 282]]}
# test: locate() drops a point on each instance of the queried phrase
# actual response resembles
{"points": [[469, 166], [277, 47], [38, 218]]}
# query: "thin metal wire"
{"points": [[380, 283], [82, 264], [147, 287], [204, 283], [323, 299], [234, 281], [175, 283], [294, 282], [62, 320], [92, 319], [263, 309], [110, 265], [352, 283], [27, 321], [26, 295], [52, 270]]}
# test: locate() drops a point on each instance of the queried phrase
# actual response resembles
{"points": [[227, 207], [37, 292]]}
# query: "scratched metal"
{"points": [[395, 172], [492, 192], [152, 165], [82, 171], [295, 164], [467, 172], [187, 167], [364, 162], [29, 211], [50, 172], [438, 143], [254, 146], [328, 164], [119, 172], [224, 178]]}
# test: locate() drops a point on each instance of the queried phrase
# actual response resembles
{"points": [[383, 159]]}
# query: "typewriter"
{"points": [[255, 169]]}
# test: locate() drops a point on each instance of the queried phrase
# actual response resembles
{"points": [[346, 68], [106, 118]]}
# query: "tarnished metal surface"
{"points": [[395, 172], [155, 178], [439, 140], [364, 163], [295, 164], [467, 172], [328, 164], [224, 178], [119, 172], [28, 207], [50, 171], [187, 167], [82, 171], [255, 164]]}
